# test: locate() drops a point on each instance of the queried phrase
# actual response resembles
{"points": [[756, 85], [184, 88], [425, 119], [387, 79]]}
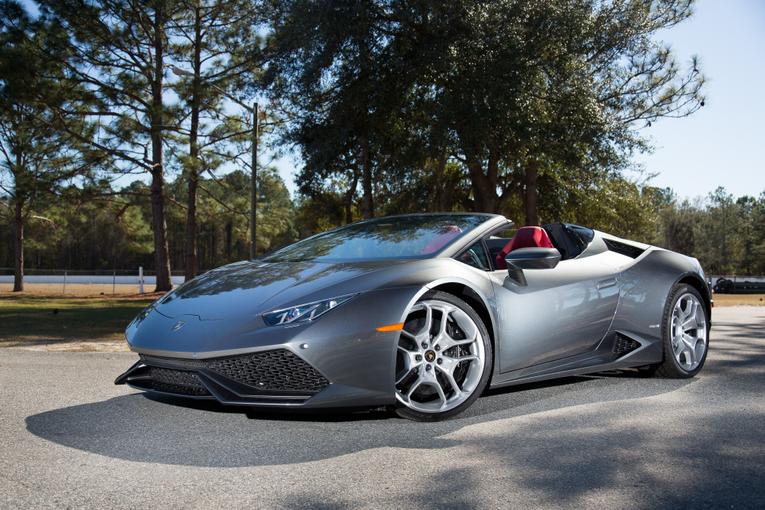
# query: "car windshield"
{"points": [[398, 237]]}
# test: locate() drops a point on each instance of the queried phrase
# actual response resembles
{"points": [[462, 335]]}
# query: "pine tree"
{"points": [[36, 155], [217, 52], [118, 51]]}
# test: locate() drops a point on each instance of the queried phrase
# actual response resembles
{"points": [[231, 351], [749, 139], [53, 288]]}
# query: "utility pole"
{"points": [[254, 197]]}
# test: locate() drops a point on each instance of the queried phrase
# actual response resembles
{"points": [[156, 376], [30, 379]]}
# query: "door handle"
{"points": [[604, 284]]}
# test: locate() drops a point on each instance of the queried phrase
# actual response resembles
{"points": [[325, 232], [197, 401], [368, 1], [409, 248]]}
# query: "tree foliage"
{"points": [[115, 232], [510, 90], [93, 227]]}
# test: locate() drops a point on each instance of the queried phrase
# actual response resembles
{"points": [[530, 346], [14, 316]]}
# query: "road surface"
{"points": [[70, 438]]}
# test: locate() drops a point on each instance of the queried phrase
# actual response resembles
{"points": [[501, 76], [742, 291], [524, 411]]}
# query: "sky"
{"points": [[723, 143]]}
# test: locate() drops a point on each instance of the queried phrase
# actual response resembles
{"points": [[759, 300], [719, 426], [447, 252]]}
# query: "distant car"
{"points": [[421, 313], [728, 286]]}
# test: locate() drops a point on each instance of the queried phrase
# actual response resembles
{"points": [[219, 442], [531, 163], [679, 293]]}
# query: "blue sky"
{"points": [[723, 143]]}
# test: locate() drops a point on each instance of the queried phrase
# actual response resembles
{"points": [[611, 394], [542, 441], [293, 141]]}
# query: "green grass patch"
{"points": [[53, 319]]}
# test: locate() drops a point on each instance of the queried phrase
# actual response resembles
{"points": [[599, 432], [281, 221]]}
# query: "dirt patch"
{"points": [[81, 290], [52, 345], [739, 299]]}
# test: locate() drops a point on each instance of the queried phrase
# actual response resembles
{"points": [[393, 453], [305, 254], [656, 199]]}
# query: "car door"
{"points": [[560, 312]]}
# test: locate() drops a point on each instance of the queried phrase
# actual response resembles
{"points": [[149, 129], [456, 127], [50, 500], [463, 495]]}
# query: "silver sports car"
{"points": [[422, 313]]}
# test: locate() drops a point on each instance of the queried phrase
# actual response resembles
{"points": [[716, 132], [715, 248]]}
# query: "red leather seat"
{"points": [[526, 237]]}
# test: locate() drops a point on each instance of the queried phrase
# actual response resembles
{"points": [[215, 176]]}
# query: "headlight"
{"points": [[303, 313]]}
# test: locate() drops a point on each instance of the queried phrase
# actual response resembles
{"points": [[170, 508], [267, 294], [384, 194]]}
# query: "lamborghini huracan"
{"points": [[422, 313]]}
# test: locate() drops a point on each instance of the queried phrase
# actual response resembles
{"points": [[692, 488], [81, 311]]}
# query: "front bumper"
{"points": [[273, 377], [339, 360]]}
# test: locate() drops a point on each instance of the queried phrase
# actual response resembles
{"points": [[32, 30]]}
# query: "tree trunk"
{"points": [[365, 65], [483, 182], [441, 193], [349, 199], [18, 260], [485, 198], [191, 264], [254, 183], [159, 224], [367, 200], [530, 193], [229, 240]]}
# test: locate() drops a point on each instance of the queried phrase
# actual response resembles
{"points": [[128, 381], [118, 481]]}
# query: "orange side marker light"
{"points": [[391, 327]]}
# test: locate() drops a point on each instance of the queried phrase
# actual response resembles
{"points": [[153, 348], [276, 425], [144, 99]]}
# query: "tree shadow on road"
{"points": [[177, 431], [591, 458]]}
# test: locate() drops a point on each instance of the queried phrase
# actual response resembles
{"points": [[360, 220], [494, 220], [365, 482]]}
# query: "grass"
{"points": [[28, 319]]}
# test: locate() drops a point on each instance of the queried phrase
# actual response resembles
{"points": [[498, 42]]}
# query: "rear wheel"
{"points": [[685, 332], [443, 359]]}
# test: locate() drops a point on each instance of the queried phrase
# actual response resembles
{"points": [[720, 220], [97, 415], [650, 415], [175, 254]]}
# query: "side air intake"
{"points": [[623, 248], [624, 345]]}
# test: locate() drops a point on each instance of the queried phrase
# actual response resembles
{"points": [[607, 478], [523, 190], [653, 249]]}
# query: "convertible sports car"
{"points": [[421, 313]]}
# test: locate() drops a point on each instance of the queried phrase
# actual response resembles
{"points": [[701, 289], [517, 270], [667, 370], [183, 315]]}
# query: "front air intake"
{"points": [[276, 371], [179, 382]]}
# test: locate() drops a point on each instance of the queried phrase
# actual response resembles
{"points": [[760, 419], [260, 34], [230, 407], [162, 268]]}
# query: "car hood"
{"points": [[250, 287]]}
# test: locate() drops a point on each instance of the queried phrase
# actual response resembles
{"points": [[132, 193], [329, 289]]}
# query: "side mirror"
{"points": [[530, 258]]}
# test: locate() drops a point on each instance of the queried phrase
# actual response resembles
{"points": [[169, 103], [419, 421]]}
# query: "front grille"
{"points": [[624, 345], [176, 381], [277, 370]]}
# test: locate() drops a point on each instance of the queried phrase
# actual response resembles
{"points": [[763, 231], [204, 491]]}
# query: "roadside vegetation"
{"points": [[726, 234], [29, 320]]}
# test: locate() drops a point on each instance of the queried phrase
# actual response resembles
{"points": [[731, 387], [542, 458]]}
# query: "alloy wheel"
{"points": [[440, 357], [688, 332]]}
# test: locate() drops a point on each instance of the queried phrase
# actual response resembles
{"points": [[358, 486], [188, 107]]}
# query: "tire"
{"points": [[692, 359], [441, 370]]}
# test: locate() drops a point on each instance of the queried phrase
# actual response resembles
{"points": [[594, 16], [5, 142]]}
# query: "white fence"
{"points": [[136, 277]]}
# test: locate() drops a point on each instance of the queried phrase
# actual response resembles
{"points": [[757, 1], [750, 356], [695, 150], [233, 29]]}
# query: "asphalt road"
{"points": [[69, 438]]}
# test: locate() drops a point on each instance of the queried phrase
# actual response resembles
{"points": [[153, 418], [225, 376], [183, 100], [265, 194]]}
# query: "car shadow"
{"points": [[157, 429]]}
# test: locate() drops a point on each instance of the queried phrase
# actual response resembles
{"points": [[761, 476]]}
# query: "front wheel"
{"points": [[443, 359], [685, 331]]}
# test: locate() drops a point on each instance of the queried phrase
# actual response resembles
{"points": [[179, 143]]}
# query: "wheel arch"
{"points": [[472, 296], [700, 285]]}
